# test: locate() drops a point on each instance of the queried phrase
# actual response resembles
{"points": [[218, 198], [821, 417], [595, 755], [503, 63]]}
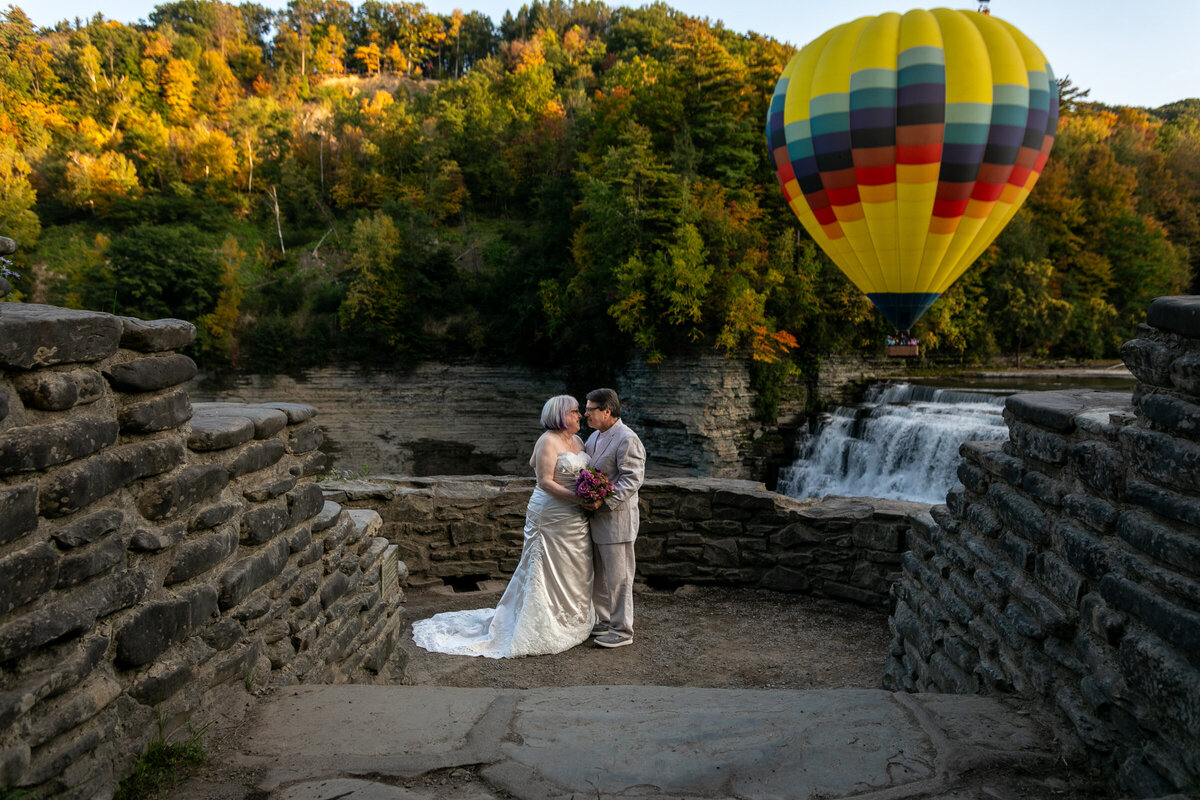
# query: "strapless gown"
{"points": [[547, 606]]}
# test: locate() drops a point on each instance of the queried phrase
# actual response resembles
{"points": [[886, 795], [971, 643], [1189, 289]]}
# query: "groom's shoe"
{"points": [[613, 639], [599, 629]]}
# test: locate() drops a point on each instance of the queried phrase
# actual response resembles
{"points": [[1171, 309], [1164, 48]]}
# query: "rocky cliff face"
{"points": [[696, 416]]}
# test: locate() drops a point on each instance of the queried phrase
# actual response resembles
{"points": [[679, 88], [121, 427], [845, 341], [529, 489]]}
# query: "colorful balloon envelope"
{"points": [[906, 142]]}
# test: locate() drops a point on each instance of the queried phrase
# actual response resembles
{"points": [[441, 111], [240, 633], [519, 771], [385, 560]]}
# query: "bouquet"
{"points": [[592, 484]]}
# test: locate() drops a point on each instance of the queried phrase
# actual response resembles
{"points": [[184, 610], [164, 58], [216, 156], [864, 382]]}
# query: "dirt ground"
{"points": [[709, 637]]}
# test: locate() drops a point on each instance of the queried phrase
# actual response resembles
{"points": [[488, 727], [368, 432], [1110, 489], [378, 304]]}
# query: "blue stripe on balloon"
{"points": [[902, 309], [921, 73], [872, 98], [966, 133], [876, 117]]}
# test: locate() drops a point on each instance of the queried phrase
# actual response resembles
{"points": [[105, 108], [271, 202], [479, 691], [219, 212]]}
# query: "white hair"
{"points": [[556, 411]]}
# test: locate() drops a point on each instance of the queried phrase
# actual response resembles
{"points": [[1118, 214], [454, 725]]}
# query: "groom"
{"points": [[618, 452]]}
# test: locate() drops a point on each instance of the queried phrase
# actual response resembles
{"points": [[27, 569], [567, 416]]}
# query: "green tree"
{"points": [[160, 271], [1029, 315], [378, 304]]}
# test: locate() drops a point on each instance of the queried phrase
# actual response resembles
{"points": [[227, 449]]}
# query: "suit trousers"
{"points": [[612, 589]]}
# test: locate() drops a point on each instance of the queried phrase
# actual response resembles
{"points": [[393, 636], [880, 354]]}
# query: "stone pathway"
{"points": [[415, 742]]}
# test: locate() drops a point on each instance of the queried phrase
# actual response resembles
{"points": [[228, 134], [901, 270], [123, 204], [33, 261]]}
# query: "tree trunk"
{"points": [[278, 228]]}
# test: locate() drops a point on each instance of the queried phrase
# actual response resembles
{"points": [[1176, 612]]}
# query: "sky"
{"points": [[1126, 52]]}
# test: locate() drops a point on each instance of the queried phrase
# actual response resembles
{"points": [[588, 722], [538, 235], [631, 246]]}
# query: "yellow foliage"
{"points": [[90, 131], [17, 199], [95, 181], [178, 80], [396, 58], [520, 56], [219, 89], [331, 48], [213, 155], [1092, 127], [746, 324], [157, 46], [378, 104], [574, 41], [370, 56]]}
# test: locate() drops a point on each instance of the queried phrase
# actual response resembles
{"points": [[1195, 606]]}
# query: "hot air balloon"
{"points": [[906, 142]]}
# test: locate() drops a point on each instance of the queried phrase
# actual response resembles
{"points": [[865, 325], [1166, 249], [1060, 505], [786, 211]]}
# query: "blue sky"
{"points": [[1127, 52]]}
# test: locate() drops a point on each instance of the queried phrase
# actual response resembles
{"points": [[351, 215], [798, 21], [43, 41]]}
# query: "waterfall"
{"points": [[901, 443]]}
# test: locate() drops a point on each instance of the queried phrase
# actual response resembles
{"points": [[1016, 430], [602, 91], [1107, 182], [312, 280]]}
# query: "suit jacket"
{"points": [[622, 458]]}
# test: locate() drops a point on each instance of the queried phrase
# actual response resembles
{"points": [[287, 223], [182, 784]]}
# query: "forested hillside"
{"points": [[582, 183]]}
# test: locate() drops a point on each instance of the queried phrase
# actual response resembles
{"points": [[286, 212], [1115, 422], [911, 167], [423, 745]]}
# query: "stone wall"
{"points": [[696, 416], [1066, 566], [159, 560], [841, 377], [693, 530]]}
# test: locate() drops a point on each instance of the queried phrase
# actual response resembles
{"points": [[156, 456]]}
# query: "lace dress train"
{"points": [[547, 606]]}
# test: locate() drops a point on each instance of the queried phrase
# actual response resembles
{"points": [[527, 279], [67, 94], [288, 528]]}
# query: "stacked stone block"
{"points": [[157, 560], [1066, 566], [693, 530]]}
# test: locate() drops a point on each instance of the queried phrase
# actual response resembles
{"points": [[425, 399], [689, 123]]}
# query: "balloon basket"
{"points": [[903, 348]]}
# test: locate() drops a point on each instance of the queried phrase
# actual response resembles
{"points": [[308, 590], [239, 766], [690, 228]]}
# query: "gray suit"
{"points": [[619, 453]]}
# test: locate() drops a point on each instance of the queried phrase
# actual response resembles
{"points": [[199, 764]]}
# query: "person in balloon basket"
{"points": [[617, 451]]}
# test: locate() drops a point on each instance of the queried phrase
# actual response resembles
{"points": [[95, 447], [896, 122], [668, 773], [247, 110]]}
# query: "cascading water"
{"points": [[901, 443]]}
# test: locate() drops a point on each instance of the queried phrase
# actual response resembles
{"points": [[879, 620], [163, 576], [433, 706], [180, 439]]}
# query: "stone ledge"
{"points": [[296, 412], [34, 335], [1057, 411], [267, 421], [152, 336], [212, 430], [151, 374], [1179, 314]]}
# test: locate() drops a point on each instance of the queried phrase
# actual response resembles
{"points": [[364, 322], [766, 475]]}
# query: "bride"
{"points": [[547, 607]]}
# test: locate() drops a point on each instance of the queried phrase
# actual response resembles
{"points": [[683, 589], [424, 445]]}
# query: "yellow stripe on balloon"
{"points": [[877, 44], [830, 75], [968, 67]]}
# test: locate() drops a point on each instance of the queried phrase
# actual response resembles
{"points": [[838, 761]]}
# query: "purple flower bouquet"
{"points": [[592, 484]]}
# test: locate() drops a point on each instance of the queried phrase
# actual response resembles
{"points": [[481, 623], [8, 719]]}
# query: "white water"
{"points": [[901, 443]]}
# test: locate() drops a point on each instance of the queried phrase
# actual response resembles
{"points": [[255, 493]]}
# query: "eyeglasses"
{"points": [[590, 409]]}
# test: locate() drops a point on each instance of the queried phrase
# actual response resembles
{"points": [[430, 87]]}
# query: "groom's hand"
{"points": [[592, 506]]}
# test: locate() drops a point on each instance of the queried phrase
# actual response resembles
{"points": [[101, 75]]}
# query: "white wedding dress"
{"points": [[547, 607]]}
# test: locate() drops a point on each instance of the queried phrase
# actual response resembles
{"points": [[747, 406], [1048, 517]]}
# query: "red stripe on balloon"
{"points": [[949, 208], [825, 215], [875, 176], [987, 192], [844, 197], [919, 154]]}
